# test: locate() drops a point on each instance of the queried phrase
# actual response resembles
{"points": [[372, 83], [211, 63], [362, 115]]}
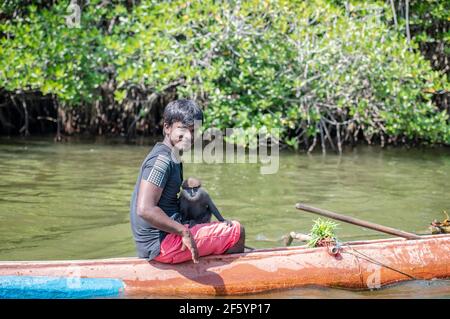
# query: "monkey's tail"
{"points": [[249, 248]]}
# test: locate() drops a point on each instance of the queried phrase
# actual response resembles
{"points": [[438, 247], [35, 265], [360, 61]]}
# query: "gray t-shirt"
{"points": [[160, 169]]}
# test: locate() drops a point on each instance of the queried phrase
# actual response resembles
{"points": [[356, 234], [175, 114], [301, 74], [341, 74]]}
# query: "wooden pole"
{"points": [[358, 222]]}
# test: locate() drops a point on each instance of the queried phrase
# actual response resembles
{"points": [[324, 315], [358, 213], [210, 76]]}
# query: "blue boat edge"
{"points": [[47, 287]]}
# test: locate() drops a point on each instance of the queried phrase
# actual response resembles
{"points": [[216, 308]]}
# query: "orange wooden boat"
{"points": [[358, 265]]}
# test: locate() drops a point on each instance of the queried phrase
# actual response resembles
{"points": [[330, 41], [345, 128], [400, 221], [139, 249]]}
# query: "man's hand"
{"points": [[189, 243]]}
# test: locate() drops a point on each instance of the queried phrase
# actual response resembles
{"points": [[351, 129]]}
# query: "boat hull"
{"points": [[359, 265]]}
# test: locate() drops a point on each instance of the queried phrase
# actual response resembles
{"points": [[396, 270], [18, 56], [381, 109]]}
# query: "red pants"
{"points": [[212, 239]]}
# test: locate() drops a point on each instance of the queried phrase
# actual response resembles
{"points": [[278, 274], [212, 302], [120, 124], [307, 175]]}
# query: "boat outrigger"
{"points": [[356, 265]]}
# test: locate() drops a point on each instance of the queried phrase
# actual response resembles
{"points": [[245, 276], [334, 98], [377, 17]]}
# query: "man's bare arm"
{"points": [[148, 209]]}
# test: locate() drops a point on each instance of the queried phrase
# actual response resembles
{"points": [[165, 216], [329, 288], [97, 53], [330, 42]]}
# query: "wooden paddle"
{"points": [[355, 221]]}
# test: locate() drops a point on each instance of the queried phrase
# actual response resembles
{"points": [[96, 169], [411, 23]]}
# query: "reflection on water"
{"points": [[70, 200], [419, 289], [412, 289]]}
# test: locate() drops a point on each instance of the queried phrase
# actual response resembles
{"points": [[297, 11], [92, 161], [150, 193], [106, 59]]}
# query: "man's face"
{"points": [[180, 136]]}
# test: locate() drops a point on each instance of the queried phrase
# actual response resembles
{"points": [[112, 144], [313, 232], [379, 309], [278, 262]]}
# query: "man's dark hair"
{"points": [[184, 111]]}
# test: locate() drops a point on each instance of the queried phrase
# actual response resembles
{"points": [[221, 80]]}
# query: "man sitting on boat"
{"points": [[154, 210]]}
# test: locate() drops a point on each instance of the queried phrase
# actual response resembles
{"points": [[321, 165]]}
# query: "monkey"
{"points": [[196, 206]]}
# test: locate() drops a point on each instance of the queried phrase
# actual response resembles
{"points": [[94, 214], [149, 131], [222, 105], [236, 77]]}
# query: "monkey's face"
{"points": [[192, 191], [191, 188]]}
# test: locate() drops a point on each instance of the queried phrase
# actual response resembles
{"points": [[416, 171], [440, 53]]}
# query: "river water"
{"points": [[71, 200]]}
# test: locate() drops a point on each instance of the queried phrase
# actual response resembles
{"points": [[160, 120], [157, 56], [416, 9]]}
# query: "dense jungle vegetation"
{"points": [[326, 73]]}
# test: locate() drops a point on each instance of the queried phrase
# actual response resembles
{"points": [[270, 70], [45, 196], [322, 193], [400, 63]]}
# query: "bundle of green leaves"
{"points": [[322, 230]]}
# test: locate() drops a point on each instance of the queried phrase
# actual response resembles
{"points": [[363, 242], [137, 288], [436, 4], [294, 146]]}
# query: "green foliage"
{"points": [[427, 14], [309, 68], [325, 68], [39, 52], [322, 230]]}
